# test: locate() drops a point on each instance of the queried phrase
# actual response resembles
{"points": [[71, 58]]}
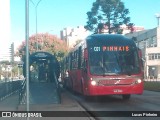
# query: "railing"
{"points": [[152, 84], [152, 78], [22, 92], [8, 88]]}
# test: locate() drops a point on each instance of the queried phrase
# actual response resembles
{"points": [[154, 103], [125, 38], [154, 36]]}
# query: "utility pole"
{"points": [[27, 51], [12, 58], [12, 52]]}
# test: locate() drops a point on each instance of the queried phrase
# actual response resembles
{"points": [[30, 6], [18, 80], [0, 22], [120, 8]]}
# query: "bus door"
{"points": [[84, 81]]}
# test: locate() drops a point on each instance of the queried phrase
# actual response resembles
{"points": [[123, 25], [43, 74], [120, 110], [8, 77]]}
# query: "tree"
{"points": [[47, 43], [108, 15]]}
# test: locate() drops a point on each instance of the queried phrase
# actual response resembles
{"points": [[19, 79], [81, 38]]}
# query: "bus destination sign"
{"points": [[111, 48]]}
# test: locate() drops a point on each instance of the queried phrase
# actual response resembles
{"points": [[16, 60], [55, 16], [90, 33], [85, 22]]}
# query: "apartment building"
{"points": [[149, 42], [73, 35]]}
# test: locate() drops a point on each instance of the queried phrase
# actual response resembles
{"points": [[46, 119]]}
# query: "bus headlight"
{"points": [[138, 81], [93, 83]]}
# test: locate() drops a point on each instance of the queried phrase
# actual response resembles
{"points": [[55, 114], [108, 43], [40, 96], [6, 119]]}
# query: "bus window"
{"points": [[113, 62]]}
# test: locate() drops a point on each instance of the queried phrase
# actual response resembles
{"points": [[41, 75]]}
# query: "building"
{"points": [[135, 29], [124, 29], [5, 30], [149, 42], [73, 35], [7, 54]]}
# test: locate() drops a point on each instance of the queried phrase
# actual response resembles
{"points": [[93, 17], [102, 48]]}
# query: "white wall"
{"points": [[4, 26]]}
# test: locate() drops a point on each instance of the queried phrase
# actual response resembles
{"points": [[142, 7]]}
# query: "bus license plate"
{"points": [[117, 90]]}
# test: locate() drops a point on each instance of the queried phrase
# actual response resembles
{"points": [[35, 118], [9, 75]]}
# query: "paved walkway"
{"points": [[10, 103], [67, 104], [42, 93]]}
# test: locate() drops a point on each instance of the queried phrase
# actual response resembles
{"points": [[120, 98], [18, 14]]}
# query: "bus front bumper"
{"points": [[115, 90]]}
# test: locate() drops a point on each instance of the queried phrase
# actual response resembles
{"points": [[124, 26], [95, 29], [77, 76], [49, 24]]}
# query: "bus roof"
{"points": [[109, 38]]}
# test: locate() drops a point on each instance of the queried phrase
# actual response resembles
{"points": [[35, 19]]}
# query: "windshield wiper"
{"points": [[128, 73]]}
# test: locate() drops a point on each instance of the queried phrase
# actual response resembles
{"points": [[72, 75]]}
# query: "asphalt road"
{"points": [[148, 102]]}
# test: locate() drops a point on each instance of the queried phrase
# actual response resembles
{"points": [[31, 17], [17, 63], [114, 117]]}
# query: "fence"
{"points": [[152, 79], [8, 88]]}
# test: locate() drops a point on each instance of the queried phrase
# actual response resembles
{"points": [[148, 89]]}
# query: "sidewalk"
{"points": [[10, 103], [67, 104]]}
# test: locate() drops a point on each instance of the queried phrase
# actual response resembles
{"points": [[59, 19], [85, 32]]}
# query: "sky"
{"points": [[4, 28], [55, 15]]}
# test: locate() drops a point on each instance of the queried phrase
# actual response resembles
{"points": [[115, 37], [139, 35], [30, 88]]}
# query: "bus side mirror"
{"points": [[85, 66], [139, 53], [140, 57], [85, 54]]}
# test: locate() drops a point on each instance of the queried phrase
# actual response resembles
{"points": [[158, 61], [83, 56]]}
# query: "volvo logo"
{"points": [[118, 81]]}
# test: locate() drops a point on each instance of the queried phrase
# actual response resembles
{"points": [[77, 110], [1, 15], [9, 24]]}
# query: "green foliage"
{"points": [[108, 15], [14, 71], [45, 42], [152, 85]]}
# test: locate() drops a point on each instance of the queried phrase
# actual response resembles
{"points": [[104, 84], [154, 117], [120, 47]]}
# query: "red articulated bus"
{"points": [[104, 64]]}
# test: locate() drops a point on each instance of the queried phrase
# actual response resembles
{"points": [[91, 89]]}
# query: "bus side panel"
{"points": [[73, 79], [79, 81]]}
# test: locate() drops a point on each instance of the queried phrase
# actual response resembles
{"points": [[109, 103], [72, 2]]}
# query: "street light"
{"points": [[36, 5], [158, 17]]}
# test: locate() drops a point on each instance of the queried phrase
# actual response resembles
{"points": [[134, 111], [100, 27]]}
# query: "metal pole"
{"points": [[36, 29], [27, 51], [18, 72], [36, 21], [158, 21]]}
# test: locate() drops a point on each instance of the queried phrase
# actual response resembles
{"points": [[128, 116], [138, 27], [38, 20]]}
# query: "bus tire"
{"points": [[126, 97], [82, 91]]}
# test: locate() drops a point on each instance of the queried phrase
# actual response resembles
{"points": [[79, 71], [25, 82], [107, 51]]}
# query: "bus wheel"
{"points": [[126, 97], [72, 88], [82, 91]]}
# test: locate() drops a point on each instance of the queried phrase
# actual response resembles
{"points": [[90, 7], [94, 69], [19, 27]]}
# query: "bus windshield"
{"points": [[112, 62]]}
